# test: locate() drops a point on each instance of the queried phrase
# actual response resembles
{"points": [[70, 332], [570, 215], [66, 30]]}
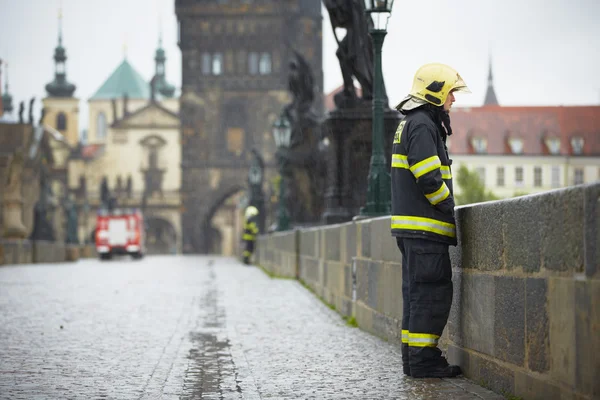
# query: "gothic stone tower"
{"points": [[235, 56]]}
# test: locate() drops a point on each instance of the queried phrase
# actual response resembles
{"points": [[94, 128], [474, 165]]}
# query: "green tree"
{"points": [[472, 189]]}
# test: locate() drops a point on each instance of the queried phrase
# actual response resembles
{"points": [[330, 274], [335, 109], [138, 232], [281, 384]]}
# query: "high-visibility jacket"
{"points": [[422, 195], [250, 230]]}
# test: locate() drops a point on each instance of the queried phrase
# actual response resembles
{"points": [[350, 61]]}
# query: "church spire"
{"points": [[162, 86], [490, 95], [7, 105], [60, 87]]}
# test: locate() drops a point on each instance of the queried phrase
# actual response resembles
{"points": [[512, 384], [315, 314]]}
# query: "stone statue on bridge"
{"points": [[12, 207], [303, 162]]}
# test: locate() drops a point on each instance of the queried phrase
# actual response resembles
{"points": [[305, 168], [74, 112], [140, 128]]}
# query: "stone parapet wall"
{"points": [[525, 318], [14, 252]]}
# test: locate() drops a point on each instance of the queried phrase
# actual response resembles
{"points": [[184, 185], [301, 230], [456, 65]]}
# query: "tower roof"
{"points": [[124, 80], [60, 87], [490, 94], [7, 105]]}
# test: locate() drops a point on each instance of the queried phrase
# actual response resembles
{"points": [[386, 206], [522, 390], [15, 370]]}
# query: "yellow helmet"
{"points": [[251, 211], [432, 84]]}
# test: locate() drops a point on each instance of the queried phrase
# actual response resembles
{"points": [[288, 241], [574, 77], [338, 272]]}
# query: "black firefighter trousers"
{"points": [[427, 297]]}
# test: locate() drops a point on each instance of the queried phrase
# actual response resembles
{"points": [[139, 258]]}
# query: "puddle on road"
{"points": [[211, 371]]}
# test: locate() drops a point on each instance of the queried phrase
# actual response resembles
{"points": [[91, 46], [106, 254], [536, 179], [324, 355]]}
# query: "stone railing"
{"points": [[525, 318]]}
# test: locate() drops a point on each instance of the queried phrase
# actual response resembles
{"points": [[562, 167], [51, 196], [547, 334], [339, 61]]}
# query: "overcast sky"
{"points": [[544, 52]]}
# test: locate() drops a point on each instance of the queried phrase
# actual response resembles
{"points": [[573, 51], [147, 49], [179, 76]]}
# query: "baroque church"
{"points": [[132, 147], [235, 66]]}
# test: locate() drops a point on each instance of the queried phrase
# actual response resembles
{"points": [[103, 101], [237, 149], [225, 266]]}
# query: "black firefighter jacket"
{"points": [[422, 195]]}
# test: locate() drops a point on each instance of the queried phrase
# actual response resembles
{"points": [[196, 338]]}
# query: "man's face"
{"points": [[449, 100]]}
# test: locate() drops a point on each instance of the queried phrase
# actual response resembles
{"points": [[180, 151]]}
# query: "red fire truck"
{"points": [[120, 232]]}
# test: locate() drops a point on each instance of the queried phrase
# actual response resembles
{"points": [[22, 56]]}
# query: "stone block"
{"points": [[365, 238], [587, 337], [481, 236], [351, 250], [332, 243], [72, 253], [374, 276], [532, 388], [537, 326], [509, 319], [362, 281], [561, 306], [591, 209], [14, 251], [495, 376], [522, 224], [390, 289], [476, 310], [308, 239], [562, 229]]}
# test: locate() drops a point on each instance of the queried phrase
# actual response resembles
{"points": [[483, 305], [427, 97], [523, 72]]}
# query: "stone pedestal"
{"points": [[72, 252], [348, 160], [15, 252]]}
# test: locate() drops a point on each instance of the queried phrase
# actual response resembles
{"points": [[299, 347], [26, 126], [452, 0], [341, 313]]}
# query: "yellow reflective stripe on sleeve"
{"points": [[423, 224], [439, 195], [446, 173], [425, 166], [399, 161], [404, 336], [422, 340], [248, 236], [246, 253]]}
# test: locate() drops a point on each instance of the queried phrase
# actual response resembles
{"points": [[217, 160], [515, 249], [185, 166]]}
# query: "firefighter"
{"points": [[250, 231], [423, 217]]}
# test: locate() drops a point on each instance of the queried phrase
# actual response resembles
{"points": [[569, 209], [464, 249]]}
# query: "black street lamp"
{"points": [[282, 132], [379, 181]]}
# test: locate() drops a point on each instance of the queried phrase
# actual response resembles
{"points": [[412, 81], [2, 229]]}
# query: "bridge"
{"points": [[524, 322]]}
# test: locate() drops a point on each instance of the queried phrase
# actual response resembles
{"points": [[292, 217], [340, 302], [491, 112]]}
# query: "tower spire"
{"points": [[490, 95], [60, 87], [7, 106]]}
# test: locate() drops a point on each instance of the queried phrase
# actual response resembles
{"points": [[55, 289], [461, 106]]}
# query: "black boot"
{"points": [[440, 370]]}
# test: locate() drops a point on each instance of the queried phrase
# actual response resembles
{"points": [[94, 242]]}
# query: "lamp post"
{"points": [[379, 181], [282, 132]]}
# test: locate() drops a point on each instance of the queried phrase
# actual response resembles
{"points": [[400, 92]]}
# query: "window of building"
{"points": [[206, 64], [519, 176], [481, 173], [553, 145], [555, 176], [577, 145], [101, 126], [479, 145], [61, 122], [516, 145], [578, 178], [500, 176], [537, 176], [253, 63], [217, 64], [265, 64]]}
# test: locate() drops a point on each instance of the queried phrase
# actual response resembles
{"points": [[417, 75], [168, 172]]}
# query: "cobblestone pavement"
{"points": [[188, 328]]}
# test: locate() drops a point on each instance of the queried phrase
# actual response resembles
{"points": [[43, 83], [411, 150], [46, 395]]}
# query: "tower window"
{"points": [[206, 64], [253, 63], [61, 121], [101, 126], [265, 64], [217, 64]]}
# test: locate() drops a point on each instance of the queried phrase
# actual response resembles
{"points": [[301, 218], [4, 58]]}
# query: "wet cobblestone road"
{"points": [[188, 328]]}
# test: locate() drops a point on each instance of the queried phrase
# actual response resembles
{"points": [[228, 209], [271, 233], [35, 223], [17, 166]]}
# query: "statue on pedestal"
{"points": [[72, 221], [12, 202], [302, 161], [43, 216]]}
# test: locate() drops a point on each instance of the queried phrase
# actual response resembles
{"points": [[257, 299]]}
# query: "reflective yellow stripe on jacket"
{"points": [[423, 224], [446, 174], [425, 166], [439, 195]]}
